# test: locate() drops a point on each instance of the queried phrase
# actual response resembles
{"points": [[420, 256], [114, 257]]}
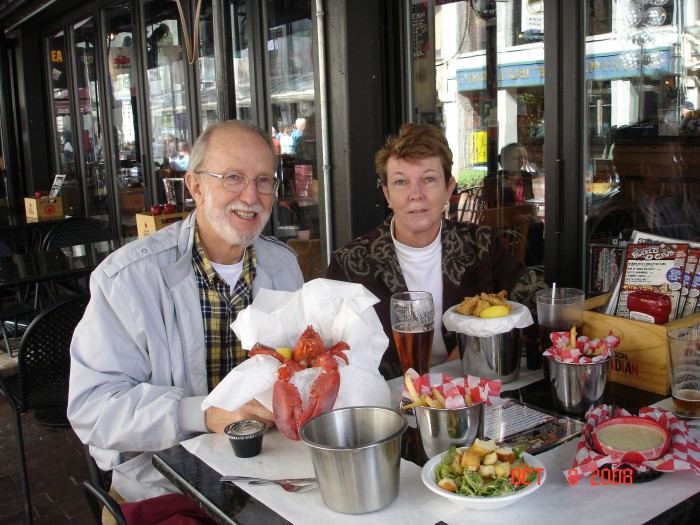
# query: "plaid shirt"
{"points": [[221, 304]]}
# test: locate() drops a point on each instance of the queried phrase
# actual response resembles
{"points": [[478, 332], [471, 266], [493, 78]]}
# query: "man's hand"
{"points": [[217, 419]]}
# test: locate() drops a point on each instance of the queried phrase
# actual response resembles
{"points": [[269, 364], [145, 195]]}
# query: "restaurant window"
{"points": [[208, 92], [289, 103], [167, 90], [63, 140], [477, 72], [123, 102], [78, 133], [293, 120], [241, 59], [642, 126], [88, 149]]}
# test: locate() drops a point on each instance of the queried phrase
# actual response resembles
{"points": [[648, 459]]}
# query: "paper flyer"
{"points": [[653, 267]]}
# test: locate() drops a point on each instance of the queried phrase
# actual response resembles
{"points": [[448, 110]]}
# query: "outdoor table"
{"points": [[672, 498], [17, 230], [60, 263]]}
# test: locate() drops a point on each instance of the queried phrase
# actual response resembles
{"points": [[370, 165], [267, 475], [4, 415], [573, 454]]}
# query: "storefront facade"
{"points": [[113, 93]]}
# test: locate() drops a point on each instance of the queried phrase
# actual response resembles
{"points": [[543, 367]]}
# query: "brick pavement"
{"points": [[56, 465]]}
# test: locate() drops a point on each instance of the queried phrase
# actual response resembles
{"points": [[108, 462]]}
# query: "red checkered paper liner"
{"points": [[582, 354], [453, 390], [683, 453]]}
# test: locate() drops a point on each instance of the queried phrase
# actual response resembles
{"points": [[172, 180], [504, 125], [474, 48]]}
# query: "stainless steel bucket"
{"points": [[356, 453], [440, 428], [576, 388], [495, 357]]}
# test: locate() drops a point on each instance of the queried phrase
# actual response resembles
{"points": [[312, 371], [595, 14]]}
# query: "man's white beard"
{"points": [[221, 222]]}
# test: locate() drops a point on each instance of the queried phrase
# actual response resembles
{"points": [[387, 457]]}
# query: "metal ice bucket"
{"points": [[576, 388], [356, 452], [494, 357]]}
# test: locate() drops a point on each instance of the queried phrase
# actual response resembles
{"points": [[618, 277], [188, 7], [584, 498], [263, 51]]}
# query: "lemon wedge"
{"points": [[494, 311], [284, 352]]}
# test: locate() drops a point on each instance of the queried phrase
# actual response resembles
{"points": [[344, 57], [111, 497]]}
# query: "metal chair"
{"points": [[97, 499], [470, 204], [16, 310], [41, 382], [515, 240], [97, 491], [71, 232], [74, 231]]}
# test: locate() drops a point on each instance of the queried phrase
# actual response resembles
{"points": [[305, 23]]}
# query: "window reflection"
{"points": [[641, 89], [168, 110], [124, 144], [291, 84], [63, 137], [478, 74], [91, 146], [207, 68]]}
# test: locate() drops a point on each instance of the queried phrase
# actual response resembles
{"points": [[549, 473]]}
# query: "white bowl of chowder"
{"points": [[631, 439]]}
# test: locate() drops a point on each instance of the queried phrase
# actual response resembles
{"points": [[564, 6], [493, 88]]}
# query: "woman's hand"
{"points": [[217, 419]]}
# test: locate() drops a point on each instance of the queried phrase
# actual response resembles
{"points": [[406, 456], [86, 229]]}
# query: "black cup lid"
{"points": [[246, 429]]}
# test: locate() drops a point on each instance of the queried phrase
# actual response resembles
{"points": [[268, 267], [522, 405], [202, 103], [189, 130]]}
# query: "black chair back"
{"points": [[73, 231], [5, 249], [44, 355], [98, 498]]}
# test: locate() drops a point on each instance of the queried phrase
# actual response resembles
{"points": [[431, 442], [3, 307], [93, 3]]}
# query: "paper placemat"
{"points": [[281, 457]]}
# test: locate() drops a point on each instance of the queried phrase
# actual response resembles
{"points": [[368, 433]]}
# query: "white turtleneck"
{"points": [[422, 270]]}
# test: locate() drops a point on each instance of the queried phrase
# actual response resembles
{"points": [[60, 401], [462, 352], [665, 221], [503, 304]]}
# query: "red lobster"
{"points": [[308, 352]]}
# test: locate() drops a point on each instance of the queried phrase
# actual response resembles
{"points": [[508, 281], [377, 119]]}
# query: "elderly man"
{"points": [[155, 339]]}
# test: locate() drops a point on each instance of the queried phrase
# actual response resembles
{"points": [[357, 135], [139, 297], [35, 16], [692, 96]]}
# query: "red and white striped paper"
{"points": [[683, 454]]}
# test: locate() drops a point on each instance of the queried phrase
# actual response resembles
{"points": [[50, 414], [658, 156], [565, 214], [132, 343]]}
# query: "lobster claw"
{"points": [[288, 411], [286, 402]]}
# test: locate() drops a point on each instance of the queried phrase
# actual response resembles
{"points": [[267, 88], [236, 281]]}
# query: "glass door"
{"points": [[122, 78], [89, 147], [643, 128], [167, 90], [478, 74], [284, 103], [291, 83], [63, 140]]}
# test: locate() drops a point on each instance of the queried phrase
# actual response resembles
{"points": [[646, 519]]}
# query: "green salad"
{"points": [[500, 472]]}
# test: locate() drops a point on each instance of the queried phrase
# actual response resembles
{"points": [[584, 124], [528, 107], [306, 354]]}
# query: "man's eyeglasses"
{"points": [[237, 183]]}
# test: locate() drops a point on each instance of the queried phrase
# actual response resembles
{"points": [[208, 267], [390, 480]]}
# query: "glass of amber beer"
{"points": [[684, 347], [413, 325]]}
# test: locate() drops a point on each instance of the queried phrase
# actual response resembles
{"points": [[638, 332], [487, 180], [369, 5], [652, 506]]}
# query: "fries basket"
{"points": [[440, 428]]}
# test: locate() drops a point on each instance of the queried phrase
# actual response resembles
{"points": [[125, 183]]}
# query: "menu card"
{"points": [[518, 424]]}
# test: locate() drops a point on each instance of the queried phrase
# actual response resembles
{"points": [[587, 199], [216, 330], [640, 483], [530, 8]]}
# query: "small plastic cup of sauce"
{"points": [[246, 437]]}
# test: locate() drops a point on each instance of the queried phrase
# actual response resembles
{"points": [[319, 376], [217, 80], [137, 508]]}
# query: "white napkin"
{"points": [[519, 317], [338, 311]]}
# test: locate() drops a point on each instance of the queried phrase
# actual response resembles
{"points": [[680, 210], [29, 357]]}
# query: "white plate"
{"points": [[478, 502]]}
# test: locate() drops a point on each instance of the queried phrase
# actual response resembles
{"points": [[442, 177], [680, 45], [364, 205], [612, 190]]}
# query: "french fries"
{"points": [[437, 400], [475, 305]]}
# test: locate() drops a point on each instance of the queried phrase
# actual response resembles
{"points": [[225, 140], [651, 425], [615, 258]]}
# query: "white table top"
{"points": [[557, 501]]}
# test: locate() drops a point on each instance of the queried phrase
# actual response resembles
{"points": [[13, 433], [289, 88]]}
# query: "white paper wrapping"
{"points": [[338, 311], [519, 317]]}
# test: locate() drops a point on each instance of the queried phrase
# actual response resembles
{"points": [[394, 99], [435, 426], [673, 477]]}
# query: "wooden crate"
{"points": [[45, 208], [642, 359], [147, 224]]}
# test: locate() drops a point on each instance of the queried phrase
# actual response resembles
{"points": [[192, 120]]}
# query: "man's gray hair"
{"points": [[199, 149]]}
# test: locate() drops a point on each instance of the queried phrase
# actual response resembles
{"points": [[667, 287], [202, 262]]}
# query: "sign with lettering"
{"points": [[420, 34], [609, 66]]}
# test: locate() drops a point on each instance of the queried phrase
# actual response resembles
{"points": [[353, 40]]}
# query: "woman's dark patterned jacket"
{"points": [[474, 260]]}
